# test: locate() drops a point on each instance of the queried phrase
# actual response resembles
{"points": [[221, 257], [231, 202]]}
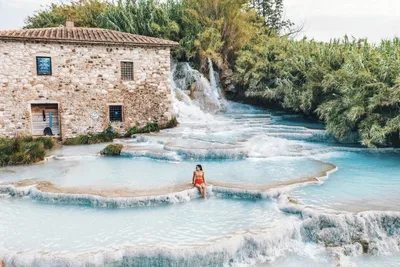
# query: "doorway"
{"points": [[45, 119]]}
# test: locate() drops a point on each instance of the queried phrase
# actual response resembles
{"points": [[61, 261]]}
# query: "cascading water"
{"points": [[192, 88], [182, 76], [262, 209], [215, 86]]}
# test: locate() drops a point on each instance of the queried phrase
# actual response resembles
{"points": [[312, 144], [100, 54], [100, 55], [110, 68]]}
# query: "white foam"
{"points": [[378, 232], [99, 201]]}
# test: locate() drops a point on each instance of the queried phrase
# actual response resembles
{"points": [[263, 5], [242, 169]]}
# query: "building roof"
{"points": [[83, 35]]}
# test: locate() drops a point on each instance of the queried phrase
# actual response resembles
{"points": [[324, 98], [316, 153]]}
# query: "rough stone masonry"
{"points": [[85, 79]]}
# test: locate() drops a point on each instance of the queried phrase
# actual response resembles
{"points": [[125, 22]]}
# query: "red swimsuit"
{"points": [[199, 179]]}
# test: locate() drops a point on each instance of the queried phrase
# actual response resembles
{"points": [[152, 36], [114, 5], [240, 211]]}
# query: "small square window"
{"points": [[115, 113], [126, 71], [43, 65]]}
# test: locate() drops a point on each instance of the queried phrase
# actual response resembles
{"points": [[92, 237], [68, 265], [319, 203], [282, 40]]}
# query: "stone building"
{"points": [[80, 80]]}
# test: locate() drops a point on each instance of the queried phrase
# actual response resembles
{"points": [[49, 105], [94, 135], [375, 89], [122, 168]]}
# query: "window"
{"points": [[115, 113], [126, 71], [43, 65]]}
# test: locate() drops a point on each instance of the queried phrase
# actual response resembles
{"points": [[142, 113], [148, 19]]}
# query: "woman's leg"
{"points": [[204, 191], [200, 188]]}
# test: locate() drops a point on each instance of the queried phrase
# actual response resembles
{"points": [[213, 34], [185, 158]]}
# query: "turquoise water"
{"points": [[365, 180], [103, 172], [64, 229], [285, 194]]}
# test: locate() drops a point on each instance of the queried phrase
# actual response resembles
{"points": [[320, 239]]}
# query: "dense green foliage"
{"points": [[352, 85], [151, 18], [85, 13], [152, 127], [23, 150], [108, 135], [112, 150]]}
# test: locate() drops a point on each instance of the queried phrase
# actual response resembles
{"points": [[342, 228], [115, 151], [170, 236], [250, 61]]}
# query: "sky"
{"points": [[327, 19], [14, 12], [322, 19]]}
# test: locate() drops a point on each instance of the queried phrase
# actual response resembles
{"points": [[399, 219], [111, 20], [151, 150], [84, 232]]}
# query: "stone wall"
{"points": [[85, 80]]}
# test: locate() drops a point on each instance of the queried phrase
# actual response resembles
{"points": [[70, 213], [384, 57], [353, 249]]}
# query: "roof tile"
{"points": [[84, 35]]}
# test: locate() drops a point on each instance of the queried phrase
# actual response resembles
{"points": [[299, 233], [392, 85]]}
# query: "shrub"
{"points": [[101, 138], [112, 150], [18, 158], [17, 144], [79, 140], [23, 150], [6, 147], [132, 131], [26, 138], [47, 142], [107, 135], [150, 127], [4, 159], [171, 123], [34, 151]]}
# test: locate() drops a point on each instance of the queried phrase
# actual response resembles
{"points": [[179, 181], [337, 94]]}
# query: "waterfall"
{"points": [[182, 76], [213, 83], [194, 96], [216, 89]]}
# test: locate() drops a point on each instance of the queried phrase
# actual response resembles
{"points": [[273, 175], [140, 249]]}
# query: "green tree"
{"points": [[224, 28], [85, 13], [272, 11], [162, 19]]}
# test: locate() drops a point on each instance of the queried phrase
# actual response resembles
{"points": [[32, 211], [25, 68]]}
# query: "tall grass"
{"points": [[112, 150], [23, 150], [108, 135], [152, 127]]}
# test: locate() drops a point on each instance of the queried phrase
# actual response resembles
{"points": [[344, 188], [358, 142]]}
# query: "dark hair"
{"points": [[198, 165]]}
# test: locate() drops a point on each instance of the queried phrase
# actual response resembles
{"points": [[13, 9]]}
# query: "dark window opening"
{"points": [[127, 71], [115, 113], [43, 65]]}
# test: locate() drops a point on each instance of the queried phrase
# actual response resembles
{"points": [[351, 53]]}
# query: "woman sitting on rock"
{"points": [[199, 181]]}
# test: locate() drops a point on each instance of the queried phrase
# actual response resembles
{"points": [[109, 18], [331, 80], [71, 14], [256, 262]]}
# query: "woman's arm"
{"points": [[194, 175], [204, 179]]}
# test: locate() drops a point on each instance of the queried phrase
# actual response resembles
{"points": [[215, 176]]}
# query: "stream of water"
{"points": [[282, 192]]}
